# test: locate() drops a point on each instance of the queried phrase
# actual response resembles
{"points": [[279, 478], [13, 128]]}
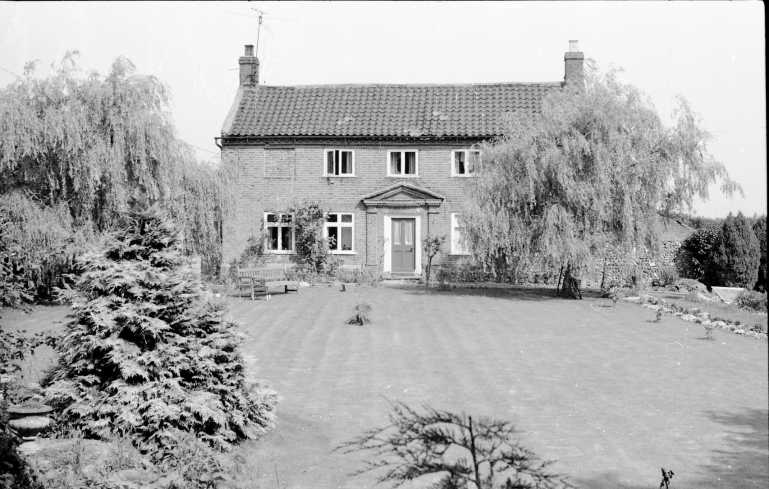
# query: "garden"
{"points": [[609, 394]]}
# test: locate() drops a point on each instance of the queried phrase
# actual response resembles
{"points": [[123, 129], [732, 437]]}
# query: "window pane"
{"points": [[475, 158], [272, 240], [346, 162], [411, 163], [285, 218], [408, 231], [395, 163], [346, 217], [329, 163], [272, 218], [285, 239], [397, 232], [333, 237], [331, 218], [346, 239], [459, 162]]}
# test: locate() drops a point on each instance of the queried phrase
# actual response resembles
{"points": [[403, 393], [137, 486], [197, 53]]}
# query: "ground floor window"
{"points": [[458, 243], [280, 234], [339, 230]]}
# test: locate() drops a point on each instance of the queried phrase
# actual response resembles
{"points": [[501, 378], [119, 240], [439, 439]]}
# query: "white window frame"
{"points": [[457, 246], [339, 164], [467, 152], [403, 160], [268, 225], [340, 224]]}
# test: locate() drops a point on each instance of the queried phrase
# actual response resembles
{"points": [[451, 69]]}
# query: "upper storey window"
{"points": [[463, 162], [402, 164], [339, 163]]}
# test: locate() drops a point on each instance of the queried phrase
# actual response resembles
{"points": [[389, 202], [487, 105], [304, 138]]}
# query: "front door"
{"points": [[403, 248]]}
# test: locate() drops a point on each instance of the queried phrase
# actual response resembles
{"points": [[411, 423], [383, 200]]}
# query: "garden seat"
{"points": [[259, 280]]}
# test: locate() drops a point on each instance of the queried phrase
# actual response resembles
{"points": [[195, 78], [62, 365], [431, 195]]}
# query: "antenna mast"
{"points": [[259, 29]]}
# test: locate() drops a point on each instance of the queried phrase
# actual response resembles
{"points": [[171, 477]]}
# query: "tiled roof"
{"points": [[382, 110]]}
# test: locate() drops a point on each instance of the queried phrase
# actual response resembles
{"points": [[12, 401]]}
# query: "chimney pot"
{"points": [[573, 46], [250, 49]]}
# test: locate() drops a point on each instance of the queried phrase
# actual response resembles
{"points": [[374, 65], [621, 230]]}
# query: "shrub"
{"points": [[695, 252], [735, 256], [466, 452], [353, 276], [312, 249], [709, 328], [144, 355], [752, 301], [667, 275], [759, 229], [360, 314]]}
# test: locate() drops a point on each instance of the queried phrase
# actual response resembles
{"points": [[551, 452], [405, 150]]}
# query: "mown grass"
{"points": [[604, 391]]}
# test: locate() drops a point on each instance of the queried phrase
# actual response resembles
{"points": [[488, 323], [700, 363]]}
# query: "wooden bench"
{"points": [[262, 278]]}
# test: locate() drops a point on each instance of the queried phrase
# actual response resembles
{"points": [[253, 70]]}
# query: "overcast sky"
{"points": [[710, 52]]}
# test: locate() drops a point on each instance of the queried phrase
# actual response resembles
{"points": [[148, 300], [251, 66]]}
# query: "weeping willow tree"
{"points": [[595, 170], [75, 148]]}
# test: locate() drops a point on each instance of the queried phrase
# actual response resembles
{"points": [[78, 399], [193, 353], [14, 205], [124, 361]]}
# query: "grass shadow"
{"points": [[611, 480], [537, 294], [743, 461]]}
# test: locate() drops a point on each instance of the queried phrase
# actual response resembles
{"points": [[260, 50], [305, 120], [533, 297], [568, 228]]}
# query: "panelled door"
{"points": [[403, 248]]}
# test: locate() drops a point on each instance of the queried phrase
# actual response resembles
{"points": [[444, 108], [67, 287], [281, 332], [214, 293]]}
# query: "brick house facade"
{"points": [[391, 163]]}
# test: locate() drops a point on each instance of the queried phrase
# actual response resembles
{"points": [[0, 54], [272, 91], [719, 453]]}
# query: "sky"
{"points": [[712, 53]]}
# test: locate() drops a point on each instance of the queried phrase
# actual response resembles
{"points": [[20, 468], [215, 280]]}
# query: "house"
{"points": [[391, 163]]}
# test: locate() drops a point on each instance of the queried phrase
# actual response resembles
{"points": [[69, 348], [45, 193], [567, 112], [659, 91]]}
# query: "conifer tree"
{"points": [[143, 354], [735, 258], [759, 229]]}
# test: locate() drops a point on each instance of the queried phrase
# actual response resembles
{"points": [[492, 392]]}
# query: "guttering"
{"points": [[350, 139], [216, 142]]}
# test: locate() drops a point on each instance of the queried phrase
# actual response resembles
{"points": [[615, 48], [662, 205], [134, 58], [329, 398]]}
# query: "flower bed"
{"points": [[696, 315]]}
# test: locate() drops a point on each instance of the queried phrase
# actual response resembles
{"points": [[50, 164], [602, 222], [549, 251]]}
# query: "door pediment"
{"points": [[402, 195]]}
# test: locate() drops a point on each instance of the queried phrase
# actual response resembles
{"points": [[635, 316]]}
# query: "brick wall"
{"points": [[271, 178]]}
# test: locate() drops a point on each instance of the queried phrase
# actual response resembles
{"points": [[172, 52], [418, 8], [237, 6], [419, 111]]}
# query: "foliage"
{"points": [[360, 314], [735, 257], [144, 355], [667, 275], [312, 249], [431, 245], [251, 257], [752, 300], [362, 276], [694, 253], [481, 453], [709, 328], [595, 168], [759, 229], [37, 244], [78, 147]]}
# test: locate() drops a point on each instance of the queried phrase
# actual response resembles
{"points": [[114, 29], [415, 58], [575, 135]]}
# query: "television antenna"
{"points": [[260, 15]]}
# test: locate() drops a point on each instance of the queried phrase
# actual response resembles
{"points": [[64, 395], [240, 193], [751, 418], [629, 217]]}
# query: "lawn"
{"points": [[608, 394]]}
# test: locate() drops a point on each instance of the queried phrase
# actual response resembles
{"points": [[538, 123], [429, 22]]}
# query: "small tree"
{"points": [[735, 258], [144, 354], [468, 452], [759, 229], [431, 246]]}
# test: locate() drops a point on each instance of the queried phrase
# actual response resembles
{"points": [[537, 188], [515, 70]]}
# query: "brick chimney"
{"points": [[249, 68], [574, 60]]}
